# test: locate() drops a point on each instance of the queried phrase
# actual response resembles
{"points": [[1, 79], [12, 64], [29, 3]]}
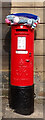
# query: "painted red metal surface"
{"points": [[22, 64]]}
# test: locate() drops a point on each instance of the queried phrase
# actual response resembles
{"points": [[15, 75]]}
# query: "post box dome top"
{"points": [[25, 18]]}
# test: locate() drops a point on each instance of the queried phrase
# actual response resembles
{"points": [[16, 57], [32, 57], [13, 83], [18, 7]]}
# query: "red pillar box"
{"points": [[22, 64], [22, 67]]}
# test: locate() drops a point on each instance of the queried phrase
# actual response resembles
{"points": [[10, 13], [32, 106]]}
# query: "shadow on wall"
{"points": [[7, 42], [34, 34], [7, 48]]}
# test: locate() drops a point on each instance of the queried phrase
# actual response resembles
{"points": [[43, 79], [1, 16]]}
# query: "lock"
{"points": [[30, 54]]}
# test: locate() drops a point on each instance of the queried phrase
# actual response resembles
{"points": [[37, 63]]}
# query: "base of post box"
{"points": [[22, 99]]}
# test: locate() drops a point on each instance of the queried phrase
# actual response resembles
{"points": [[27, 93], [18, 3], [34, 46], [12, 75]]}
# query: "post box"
{"points": [[22, 61], [22, 64]]}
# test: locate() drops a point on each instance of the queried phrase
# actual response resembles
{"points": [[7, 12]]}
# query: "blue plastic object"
{"points": [[28, 15]]}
